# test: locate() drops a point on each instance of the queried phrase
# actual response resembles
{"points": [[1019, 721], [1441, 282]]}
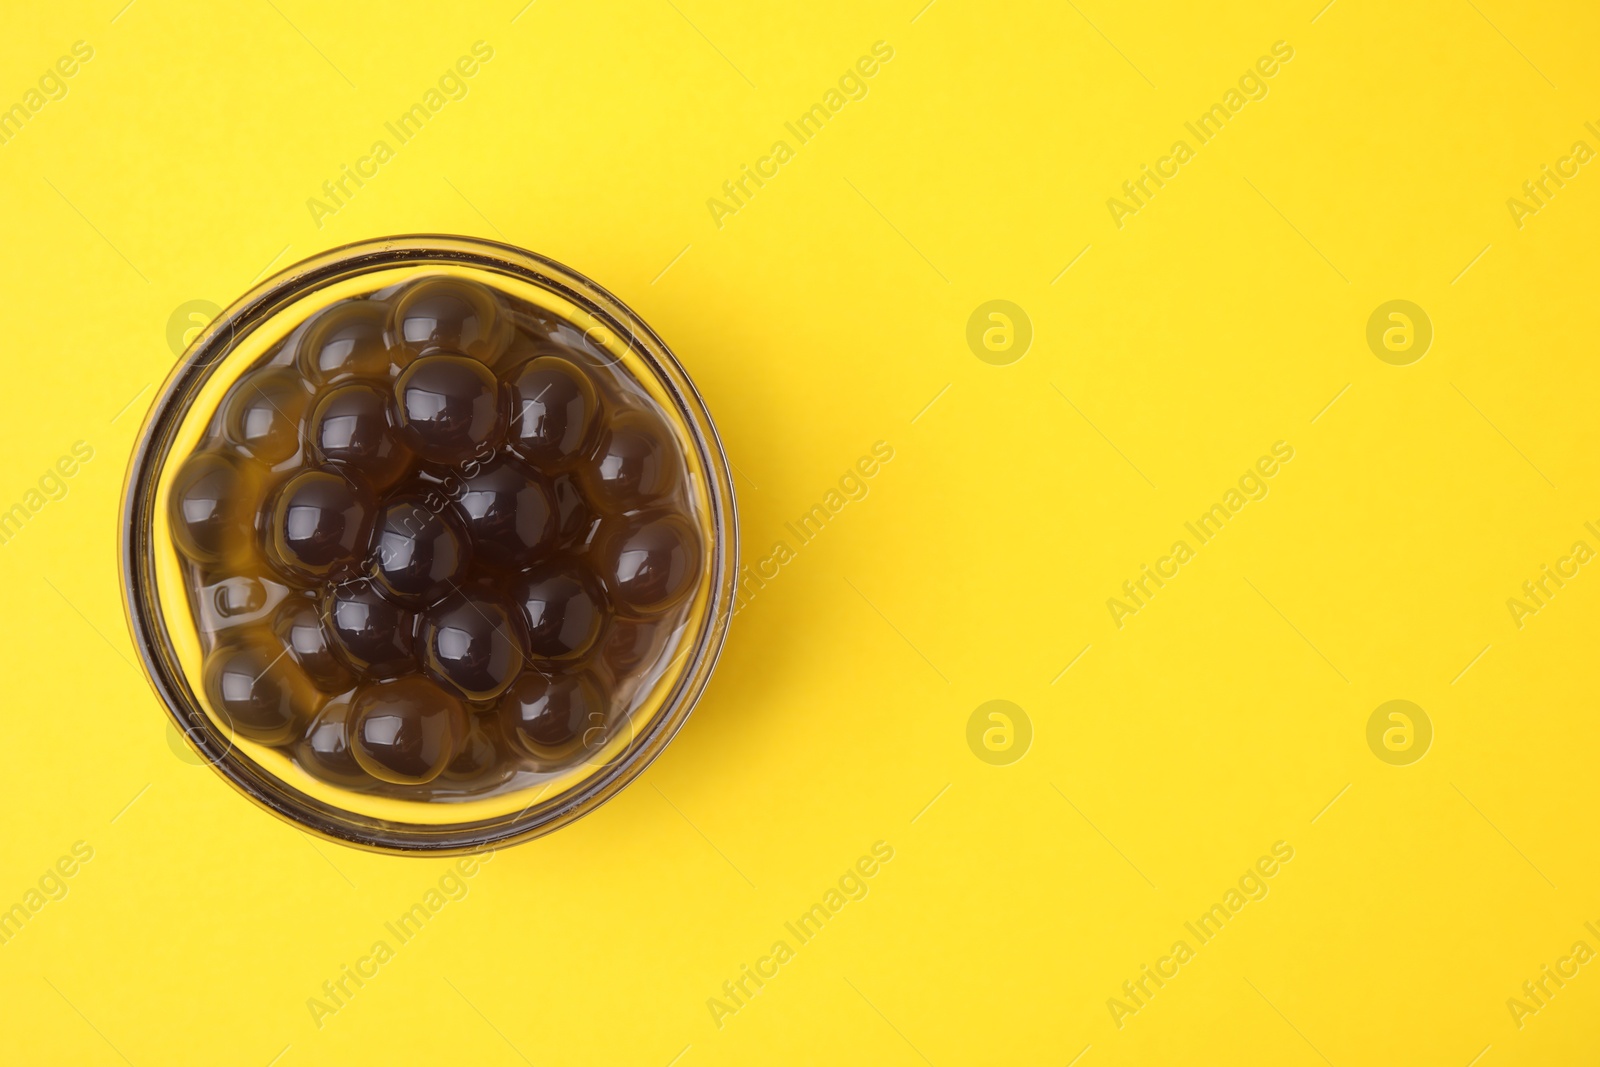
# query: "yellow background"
{"points": [[823, 317]]}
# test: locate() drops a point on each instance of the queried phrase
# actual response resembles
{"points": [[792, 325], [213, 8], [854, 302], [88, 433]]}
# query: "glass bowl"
{"points": [[180, 612]]}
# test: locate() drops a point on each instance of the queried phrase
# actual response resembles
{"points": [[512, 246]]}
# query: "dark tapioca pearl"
{"points": [[648, 562], [563, 609], [257, 691], [351, 427], [449, 408], [211, 506], [347, 341], [575, 519], [321, 525], [298, 624], [555, 411], [405, 730], [472, 643], [451, 315], [509, 514], [630, 646], [325, 752], [482, 752], [419, 553], [636, 462], [264, 412], [547, 716], [370, 632]]}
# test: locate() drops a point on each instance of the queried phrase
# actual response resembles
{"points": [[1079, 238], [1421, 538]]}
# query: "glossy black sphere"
{"points": [[555, 411], [351, 427], [418, 553], [648, 562], [298, 624], [347, 341], [546, 714], [211, 507], [264, 411], [257, 691], [325, 750], [635, 464], [451, 315], [449, 408], [562, 608], [406, 730], [472, 643], [321, 525], [371, 633], [509, 514]]}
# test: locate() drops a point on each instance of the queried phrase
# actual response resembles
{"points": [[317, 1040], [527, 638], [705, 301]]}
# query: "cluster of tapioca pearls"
{"points": [[475, 535]]}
